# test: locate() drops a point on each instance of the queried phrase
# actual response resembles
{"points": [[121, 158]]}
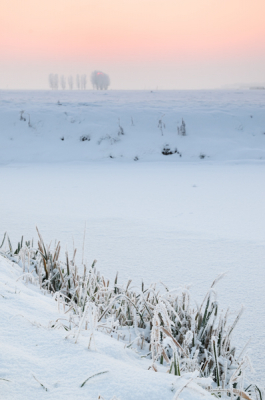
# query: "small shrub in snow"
{"points": [[182, 129], [85, 138], [168, 151], [121, 130], [29, 123], [161, 125], [22, 118]]}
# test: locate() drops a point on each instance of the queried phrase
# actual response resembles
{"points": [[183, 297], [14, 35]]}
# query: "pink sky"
{"points": [[141, 43]]}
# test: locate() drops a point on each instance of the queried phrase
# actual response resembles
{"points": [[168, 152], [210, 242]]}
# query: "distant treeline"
{"points": [[99, 80]]}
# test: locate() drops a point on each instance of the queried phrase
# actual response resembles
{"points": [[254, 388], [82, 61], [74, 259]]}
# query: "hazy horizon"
{"points": [[140, 44]]}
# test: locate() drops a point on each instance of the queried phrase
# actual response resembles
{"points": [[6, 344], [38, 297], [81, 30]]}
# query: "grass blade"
{"points": [[92, 376]]}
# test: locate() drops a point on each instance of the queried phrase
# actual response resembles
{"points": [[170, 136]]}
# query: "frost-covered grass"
{"points": [[164, 326]]}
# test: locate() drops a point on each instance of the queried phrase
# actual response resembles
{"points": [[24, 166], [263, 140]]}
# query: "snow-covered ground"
{"points": [[177, 219], [38, 362]]}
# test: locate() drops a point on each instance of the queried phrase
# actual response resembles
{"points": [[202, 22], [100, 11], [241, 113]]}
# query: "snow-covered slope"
{"points": [[80, 126], [35, 354]]}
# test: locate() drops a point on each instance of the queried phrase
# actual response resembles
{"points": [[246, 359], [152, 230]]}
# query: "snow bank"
{"points": [[38, 362], [43, 126]]}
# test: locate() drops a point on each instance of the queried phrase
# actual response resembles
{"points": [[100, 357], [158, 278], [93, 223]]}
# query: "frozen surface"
{"points": [[177, 219]]}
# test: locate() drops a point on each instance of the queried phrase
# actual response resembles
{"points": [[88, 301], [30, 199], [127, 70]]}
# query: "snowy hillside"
{"points": [[88, 125]]}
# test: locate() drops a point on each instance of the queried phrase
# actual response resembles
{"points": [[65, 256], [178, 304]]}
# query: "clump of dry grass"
{"points": [[174, 331]]}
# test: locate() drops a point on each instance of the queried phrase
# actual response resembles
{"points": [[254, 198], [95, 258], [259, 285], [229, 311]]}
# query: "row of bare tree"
{"points": [[99, 80], [60, 82]]}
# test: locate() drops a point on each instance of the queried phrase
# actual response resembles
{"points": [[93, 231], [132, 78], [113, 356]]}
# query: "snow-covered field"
{"points": [[47, 126], [177, 219]]}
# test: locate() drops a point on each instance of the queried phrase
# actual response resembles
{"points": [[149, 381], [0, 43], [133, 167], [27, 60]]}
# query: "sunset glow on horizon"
{"points": [[128, 38]]}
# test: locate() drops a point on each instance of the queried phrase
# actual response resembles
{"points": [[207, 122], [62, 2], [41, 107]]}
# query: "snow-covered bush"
{"points": [[166, 151], [85, 138], [169, 328]]}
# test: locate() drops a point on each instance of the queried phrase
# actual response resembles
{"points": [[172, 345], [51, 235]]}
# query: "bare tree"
{"points": [[70, 82], [53, 81], [78, 81], [56, 81], [83, 81], [100, 80], [63, 82]]}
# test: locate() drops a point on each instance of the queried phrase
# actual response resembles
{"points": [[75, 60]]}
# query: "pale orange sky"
{"points": [[169, 44]]}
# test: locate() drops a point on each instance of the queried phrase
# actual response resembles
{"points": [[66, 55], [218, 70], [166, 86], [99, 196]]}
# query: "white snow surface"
{"points": [[177, 219], [31, 350]]}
